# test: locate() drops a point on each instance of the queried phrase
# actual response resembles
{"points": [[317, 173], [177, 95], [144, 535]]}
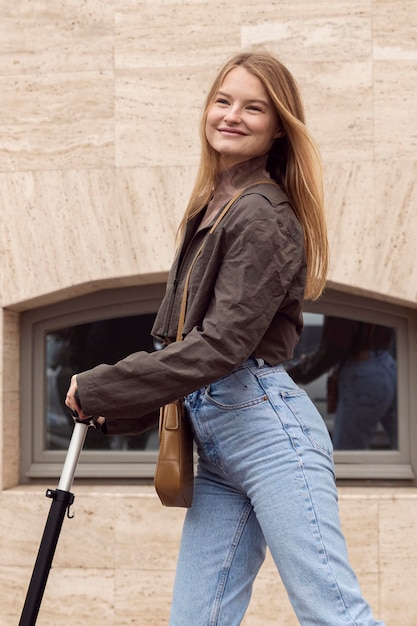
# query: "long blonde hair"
{"points": [[293, 162]]}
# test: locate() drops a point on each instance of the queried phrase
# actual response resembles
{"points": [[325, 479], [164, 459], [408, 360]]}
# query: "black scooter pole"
{"points": [[62, 499]]}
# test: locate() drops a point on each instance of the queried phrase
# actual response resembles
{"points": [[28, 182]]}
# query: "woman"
{"points": [[265, 473]]}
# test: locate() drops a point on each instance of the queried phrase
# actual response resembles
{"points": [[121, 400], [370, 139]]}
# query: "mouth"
{"points": [[225, 130]]}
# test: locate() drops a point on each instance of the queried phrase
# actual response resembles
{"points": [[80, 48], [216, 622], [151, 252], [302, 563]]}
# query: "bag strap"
{"points": [[212, 229]]}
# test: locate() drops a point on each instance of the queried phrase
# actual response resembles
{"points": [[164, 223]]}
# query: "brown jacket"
{"points": [[245, 299]]}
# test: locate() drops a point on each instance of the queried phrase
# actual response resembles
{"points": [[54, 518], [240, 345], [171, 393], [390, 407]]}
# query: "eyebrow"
{"points": [[250, 101]]}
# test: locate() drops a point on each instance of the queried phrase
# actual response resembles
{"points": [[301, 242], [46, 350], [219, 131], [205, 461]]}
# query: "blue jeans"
{"points": [[367, 395], [265, 478]]}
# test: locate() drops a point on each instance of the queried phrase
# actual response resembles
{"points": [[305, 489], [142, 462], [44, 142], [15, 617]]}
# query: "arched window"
{"points": [[103, 327]]}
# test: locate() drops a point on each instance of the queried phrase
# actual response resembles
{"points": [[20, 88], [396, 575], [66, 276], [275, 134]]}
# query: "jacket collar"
{"points": [[232, 180]]}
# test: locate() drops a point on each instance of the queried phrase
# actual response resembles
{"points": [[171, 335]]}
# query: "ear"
{"points": [[279, 133]]}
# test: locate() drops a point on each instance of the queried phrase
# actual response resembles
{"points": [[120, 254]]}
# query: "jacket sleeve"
{"points": [[255, 276]]}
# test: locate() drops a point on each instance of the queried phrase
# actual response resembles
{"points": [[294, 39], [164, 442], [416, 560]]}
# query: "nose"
{"points": [[232, 116]]}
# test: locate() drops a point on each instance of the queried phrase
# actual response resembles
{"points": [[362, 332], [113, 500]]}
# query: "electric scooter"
{"points": [[62, 499]]}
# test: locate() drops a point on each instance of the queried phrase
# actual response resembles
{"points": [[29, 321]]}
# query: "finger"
{"points": [[71, 397]]}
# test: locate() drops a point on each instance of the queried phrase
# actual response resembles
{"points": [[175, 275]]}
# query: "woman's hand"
{"points": [[72, 401]]}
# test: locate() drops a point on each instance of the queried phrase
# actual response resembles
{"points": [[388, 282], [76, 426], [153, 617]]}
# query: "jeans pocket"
{"points": [[238, 390], [308, 419]]}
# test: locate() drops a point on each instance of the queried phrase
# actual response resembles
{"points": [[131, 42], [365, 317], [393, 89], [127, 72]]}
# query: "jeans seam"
{"points": [[215, 614], [326, 561]]}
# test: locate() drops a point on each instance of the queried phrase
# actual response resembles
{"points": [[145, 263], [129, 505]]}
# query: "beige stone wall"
{"points": [[115, 560], [99, 107], [99, 111]]}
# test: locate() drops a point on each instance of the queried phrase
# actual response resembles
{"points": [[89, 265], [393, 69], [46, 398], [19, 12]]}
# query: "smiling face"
{"points": [[241, 121]]}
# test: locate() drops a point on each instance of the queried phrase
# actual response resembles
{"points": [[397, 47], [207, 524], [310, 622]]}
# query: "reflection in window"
{"points": [[78, 348], [349, 369]]}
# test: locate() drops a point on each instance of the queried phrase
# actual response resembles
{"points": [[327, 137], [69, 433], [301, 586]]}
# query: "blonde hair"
{"points": [[293, 162]]}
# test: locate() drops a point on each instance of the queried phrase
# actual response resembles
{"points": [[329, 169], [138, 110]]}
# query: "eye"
{"points": [[254, 107], [220, 100]]}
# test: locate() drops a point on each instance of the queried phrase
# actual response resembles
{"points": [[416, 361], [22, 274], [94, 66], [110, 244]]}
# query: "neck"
{"points": [[231, 180]]}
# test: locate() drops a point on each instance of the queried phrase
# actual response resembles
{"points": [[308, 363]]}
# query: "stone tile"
{"points": [[360, 524], [310, 32], [78, 597], [398, 555], [151, 127], [345, 132], [22, 522], [397, 591], [71, 597], [63, 36], [349, 204], [57, 121], [398, 550], [396, 227], [14, 583], [394, 97], [394, 30], [205, 33], [305, 9], [147, 535], [40, 208], [143, 597], [85, 541], [88, 540], [156, 198]]}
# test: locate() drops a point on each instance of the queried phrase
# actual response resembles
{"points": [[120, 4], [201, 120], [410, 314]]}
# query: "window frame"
{"points": [[38, 463], [377, 464]]}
